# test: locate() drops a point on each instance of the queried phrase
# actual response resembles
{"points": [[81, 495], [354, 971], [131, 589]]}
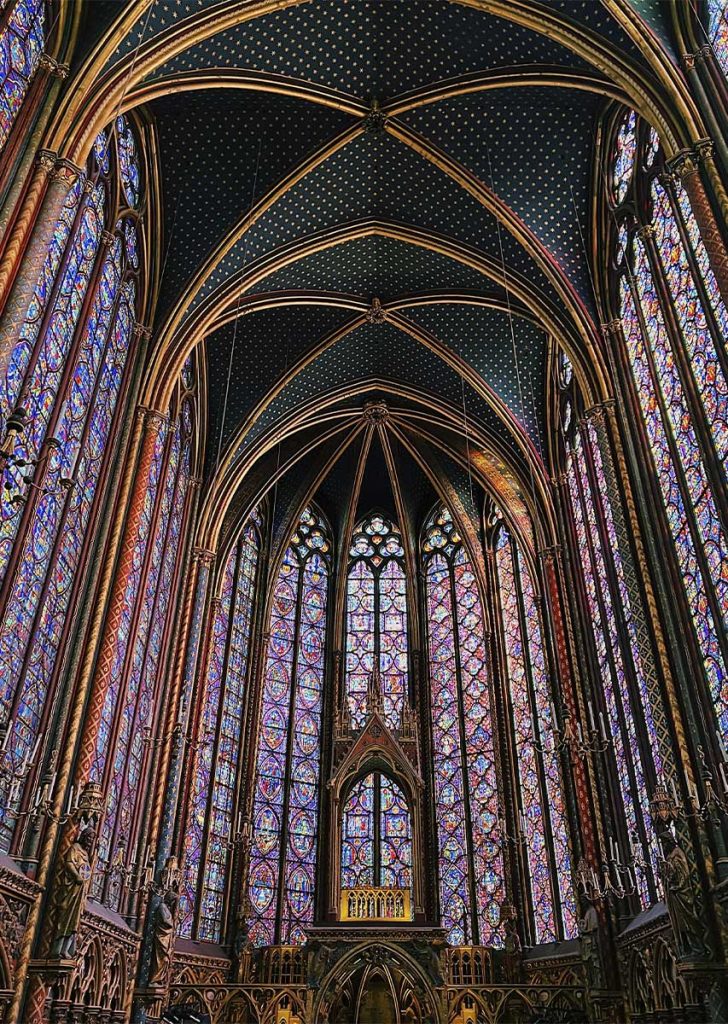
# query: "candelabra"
{"points": [[667, 806], [242, 837], [516, 839], [619, 879], [12, 776], [573, 741], [135, 877]]}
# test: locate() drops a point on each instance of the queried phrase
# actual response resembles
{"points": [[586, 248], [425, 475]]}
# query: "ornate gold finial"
{"points": [[376, 314]]}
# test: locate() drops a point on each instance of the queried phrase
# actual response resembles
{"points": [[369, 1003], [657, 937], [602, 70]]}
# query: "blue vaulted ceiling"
{"points": [[271, 92]]}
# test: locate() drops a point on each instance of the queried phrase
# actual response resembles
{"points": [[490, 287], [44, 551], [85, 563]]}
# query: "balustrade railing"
{"points": [[468, 965], [375, 903]]}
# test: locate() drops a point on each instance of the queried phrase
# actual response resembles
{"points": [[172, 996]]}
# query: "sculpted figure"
{"points": [[589, 934], [513, 951], [165, 917], [69, 894], [679, 896]]}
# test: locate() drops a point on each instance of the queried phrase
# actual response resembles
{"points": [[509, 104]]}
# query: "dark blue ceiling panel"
{"points": [[376, 266], [534, 146], [514, 365], [263, 345], [220, 150], [376, 176], [373, 49]]}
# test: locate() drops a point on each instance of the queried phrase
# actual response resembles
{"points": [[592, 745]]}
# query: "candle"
{"points": [[579, 732], [34, 754], [602, 727], [6, 739], [590, 715], [721, 744]]}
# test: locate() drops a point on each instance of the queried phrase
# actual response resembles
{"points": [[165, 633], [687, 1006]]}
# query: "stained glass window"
{"points": [[131, 709], [376, 835], [680, 382], [718, 31], [603, 612], [543, 817], [281, 883], [68, 376], [470, 861], [376, 611], [21, 46], [210, 822]]}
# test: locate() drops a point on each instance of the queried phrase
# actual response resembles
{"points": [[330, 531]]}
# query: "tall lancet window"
{"points": [[281, 883], [217, 756], [68, 373], [466, 798], [130, 717], [22, 39], [376, 619], [542, 808], [675, 324]]}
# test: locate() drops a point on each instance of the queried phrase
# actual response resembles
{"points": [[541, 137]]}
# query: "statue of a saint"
{"points": [[680, 899], [163, 923], [69, 894], [589, 935], [512, 949]]}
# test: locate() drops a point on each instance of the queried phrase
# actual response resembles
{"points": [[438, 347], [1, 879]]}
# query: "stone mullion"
{"points": [[517, 890], [18, 297], [187, 651], [585, 784]]}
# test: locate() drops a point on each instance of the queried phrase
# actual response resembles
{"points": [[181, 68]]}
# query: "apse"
{"points": [[363, 511]]}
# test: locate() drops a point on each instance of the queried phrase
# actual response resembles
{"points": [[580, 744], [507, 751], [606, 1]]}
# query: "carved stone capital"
{"points": [[683, 164], [51, 66], [704, 148], [612, 329], [551, 553], [46, 160], [153, 420], [598, 411], [203, 555], [107, 239], [646, 231], [141, 330], [66, 172]]}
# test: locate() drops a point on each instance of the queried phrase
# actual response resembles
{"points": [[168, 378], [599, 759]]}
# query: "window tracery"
{"points": [[21, 45], [718, 31], [217, 758], [376, 613], [470, 862], [67, 374], [674, 324], [281, 881]]}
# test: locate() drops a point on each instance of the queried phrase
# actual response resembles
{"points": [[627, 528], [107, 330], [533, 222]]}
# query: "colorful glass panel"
{"points": [[376, 611], [395, 830], [228, 750], [550, 764], [624, 156], [43, 369], [357, 836], [606, 641], [21, 46], [533, 816], [718, 31], [685, 545], [696, 334], [281, 882], [128, 161], [470, 864]]}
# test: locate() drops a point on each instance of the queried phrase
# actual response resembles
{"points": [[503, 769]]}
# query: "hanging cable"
{"points": [[514, 346]]}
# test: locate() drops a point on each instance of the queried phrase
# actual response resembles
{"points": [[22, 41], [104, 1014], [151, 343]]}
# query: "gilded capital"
{"points": [[683, 164], [66, 172]]}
